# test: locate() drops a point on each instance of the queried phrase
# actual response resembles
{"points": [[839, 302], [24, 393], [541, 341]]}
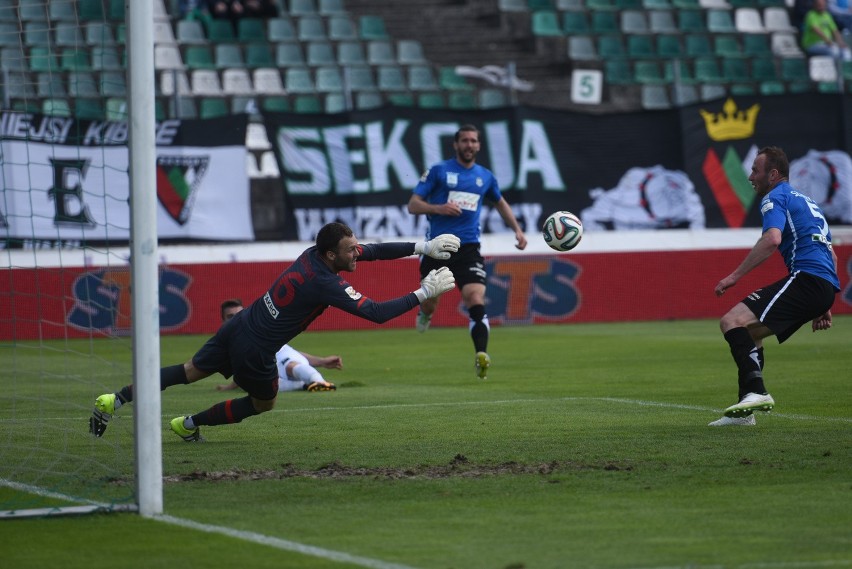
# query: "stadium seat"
{"points": [[307, 104], [289, 55], [726, 46], [269, 165], [720, 22], [228, 55], [89, 109], [683, 95], [183, 108], [565, 5], [390, 78], [785, 45], [303, 8], [380, 53], [320, 53], [116, 10], [655, 97], [582, 48], [707, 70], [298, 80], [50, 85], [534, 5], [205, 83], [90, 9], [163, 32], [431, 101], [106, 59], [691, 21], [112, 84], [219, 31], [421, 78], [280, 30], [32, 12], [735, 70], [771, 88], [698, 46], [822, 69], [42, 59], [335, 103], [116, 109], [67, 34], [236, 81], [74, 60], [617, 72], [678, 74], [669, 46], [251, 30], [56, 107], [12, 59], [190, 32], [359, 78], [662, 22], [604, 22], [449, 80], [712, 92], [460, 100], [372, 28], [748, 21], [341, 28], [199, 57], [610, 46], [276, 104], [576, 23], [401, 99], [410, 52], [366, 101], [172, 82], [794, 69], [640, 46], [633, 22], [311, 28], [62, 10], [777, 20], [756, 45], [99, 33], [545, 24], [331, 8], [647, 72], [259, 55], [267, 81], [600, 5], [763, 69], [329, 80], [350, 53], [212, 107]]}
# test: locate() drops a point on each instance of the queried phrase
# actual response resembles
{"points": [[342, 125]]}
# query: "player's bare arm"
{"points": [[762, 250], [418, 206], [505, 211]]}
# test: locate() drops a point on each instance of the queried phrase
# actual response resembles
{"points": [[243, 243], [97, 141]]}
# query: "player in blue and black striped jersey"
{"points": [[245, 346], [795, 225]]}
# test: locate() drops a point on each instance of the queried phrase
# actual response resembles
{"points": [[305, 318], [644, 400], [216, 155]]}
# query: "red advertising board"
{"points": [[522, 289]]}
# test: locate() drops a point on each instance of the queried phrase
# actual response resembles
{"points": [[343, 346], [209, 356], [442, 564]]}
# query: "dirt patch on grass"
{"points": [[458, 467]]}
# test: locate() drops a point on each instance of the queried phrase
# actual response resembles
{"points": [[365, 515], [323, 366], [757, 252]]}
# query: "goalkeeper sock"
{"points": [[747, 357], [479, 327], [231, 411], [307, 374]]}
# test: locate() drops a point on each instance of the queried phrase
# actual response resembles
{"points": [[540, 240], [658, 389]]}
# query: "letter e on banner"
{"points": [[586, 86]]}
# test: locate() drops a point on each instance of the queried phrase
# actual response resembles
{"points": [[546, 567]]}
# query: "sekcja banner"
{"points": [[64, 179], [679, 168], [522, 289]]}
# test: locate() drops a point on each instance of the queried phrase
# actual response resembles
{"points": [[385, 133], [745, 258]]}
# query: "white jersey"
{"points": [[646, 198], [826, 178]]}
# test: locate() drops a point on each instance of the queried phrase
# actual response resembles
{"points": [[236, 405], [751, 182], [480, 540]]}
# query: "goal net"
{"points": [[66, 237]]}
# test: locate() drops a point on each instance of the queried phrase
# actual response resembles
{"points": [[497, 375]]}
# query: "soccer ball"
{"points": [[562, 231]]}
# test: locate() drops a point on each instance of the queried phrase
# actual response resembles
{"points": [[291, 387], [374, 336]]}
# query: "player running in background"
{"points": [[795, 225], [245, 345], [296, 370], [450, 194]]}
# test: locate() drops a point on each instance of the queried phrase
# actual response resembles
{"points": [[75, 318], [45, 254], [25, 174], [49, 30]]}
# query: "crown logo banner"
{"points": [[731, 123]]}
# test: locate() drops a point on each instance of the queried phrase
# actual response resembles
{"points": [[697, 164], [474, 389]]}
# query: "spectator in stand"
{"points": [[841, 11], [820, 35], [236, 9]]}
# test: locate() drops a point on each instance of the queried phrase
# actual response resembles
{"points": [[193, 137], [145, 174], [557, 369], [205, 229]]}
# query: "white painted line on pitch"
{"points": [[284, 544], [764, 565], [549, 400], [253, 537]]}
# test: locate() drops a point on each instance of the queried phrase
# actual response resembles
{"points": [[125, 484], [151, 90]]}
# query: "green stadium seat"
{"points": [[307, 104], [421, 78], [698, 46], [359, 78], [89, 109], [604, 22], [726, 46], [628, 4], [113, 84], [251, 30], [32, 12], [610, 46], [401, 99], [574, 23], [183, 108], [410, 52], [707, 70], [794, 69], [50, 85], [756, 45], [303, 7], [212, 107], [35, 34], [220, 31], [331, 7], [289, 55], [492, 98], [329, 80], [691, 21], [449, 80], [763, 69], [276, 104], [228, 55], [380, 53], [335, 103], [534, 5], [655, 97], [431, 101], [321, 53], [280, 30], [461, 100], [743, 89], [199, 57], [669, 46], [679, 74], [686, 4], [640, 46], [600, 5], [56, 107], [12, 59], [390, 78], [367, 101], [68, 34], [42, 59], [618, 72], [74, 60], [116, 10], [99, 34], [372, 28], [633, 22], [350, 53], [545, 23], [90, 9], [735, 70], [341, 28], [61, 10], [662, 22], [299, 80], [190, 32], [720, 22], [311, 28], [582, 48], [116, 109], [647, 72], [259, 55]]}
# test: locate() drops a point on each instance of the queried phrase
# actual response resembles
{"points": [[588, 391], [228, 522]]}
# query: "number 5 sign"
{"points": [[586, 86]]}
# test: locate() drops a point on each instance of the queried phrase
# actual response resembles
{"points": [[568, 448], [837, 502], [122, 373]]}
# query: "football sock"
{"points": [[479, 327], [306, 374], [171, 375], [231, 411], [289, 385], [748, 359]]}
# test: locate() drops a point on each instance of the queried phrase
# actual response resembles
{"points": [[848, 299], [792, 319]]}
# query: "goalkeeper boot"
{"points": [[104, 410], [320, 386], [190, 436], [750, 403], [482, 362], [746, 421], [423, 321]]}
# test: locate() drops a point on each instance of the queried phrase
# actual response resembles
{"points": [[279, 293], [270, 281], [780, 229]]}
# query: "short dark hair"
{"points": [[330, 235], [230, 303], [776, 159], [466, 128]]}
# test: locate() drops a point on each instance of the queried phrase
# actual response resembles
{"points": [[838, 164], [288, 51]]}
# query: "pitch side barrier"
{"points": [[611, 276]]}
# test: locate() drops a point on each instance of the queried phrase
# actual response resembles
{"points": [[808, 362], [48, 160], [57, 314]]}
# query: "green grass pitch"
{"points": [[587, 446]]}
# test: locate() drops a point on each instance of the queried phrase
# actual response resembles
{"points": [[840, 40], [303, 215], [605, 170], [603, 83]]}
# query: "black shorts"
{"points": [[467, 265], [232, 352], [786, 305]]}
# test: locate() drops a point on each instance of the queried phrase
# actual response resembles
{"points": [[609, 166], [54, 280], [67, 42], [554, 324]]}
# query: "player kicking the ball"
{"points": [[244, 347], [794, 224]]}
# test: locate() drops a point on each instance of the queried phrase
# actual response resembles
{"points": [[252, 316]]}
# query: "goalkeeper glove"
{"points": [[438, 248], [436, 283]]}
